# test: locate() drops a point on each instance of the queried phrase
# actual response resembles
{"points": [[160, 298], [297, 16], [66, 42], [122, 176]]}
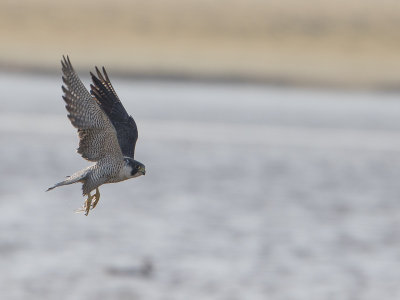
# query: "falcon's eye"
{"points": [[138, 167]]}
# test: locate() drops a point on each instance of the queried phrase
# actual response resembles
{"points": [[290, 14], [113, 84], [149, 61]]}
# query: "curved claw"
{"points": [[97, 198], [87, 205]]}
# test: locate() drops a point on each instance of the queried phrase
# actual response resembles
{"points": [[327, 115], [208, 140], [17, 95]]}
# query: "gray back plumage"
{"points": [[98, 138]]}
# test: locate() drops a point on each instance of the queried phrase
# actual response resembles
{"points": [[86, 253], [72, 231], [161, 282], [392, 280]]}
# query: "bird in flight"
{"points": [[107, 134]]}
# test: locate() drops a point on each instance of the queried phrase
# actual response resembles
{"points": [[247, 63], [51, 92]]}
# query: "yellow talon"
{"points": [[97, 198], [87, 205]]}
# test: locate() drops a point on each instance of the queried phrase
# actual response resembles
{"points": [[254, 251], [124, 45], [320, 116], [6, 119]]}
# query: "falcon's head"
{"points": [[132, 168]]}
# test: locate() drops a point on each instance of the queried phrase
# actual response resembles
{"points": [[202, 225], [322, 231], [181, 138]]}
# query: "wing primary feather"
{"points": [[97, 135], [106, 75], [99, 75], [105, 95]]}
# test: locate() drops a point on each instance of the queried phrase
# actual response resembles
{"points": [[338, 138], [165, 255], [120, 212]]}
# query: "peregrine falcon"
{"points": [[107, 134]]}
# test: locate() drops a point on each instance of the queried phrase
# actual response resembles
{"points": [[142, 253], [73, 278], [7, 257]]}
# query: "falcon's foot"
{"points": [[88, 203], [97, 196]]}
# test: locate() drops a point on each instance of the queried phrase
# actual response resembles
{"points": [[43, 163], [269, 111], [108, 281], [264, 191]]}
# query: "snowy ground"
{"points": [[251, 193]]}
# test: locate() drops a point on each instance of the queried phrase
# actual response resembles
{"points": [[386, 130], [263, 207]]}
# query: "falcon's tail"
{"points": [[77, 177], [65, 182]]}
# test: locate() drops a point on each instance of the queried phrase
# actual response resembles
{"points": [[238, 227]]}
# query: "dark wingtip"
{"points": [[105, 74], [66, 62], [95, 80], [99, 75]]}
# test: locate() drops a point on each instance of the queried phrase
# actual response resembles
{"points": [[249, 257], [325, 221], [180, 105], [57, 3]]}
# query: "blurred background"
{"points": [[269, 129]]}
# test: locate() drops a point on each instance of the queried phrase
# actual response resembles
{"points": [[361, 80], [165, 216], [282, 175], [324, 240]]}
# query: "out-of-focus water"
{"points": [[250, 193]]}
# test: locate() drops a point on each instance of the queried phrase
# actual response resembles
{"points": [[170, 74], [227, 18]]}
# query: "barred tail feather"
{"points": [[65, 182], [77, 177]]}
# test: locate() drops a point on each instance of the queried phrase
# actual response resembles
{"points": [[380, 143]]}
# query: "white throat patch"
{"points": [[125, 172]]}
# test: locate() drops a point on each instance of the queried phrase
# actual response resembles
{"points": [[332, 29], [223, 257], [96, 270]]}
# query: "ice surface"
{"points": [[250, 193]]}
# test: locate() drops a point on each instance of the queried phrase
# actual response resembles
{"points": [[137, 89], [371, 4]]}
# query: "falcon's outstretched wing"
{"points": [[124, 124], [97, 135]]}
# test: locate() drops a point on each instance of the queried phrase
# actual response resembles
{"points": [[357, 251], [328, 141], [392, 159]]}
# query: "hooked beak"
{"points": [[143, 171]]}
